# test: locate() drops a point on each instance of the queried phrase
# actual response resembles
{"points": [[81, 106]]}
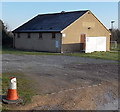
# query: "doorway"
{"points": [[82, 42]]}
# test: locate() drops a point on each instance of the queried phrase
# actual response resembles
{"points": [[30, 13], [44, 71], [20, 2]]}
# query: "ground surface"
{"points": [[67, 82]]}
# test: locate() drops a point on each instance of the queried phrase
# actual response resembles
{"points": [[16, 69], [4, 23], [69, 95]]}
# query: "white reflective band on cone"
{"points": [[12, 84]]}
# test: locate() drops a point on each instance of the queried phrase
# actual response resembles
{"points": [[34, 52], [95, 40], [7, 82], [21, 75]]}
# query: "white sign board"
{"points": [[57, 44], [95, 44]]}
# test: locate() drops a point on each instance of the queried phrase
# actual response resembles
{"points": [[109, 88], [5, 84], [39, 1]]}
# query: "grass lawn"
{"points": [[20, 52], [98, 55], [24, 88]]}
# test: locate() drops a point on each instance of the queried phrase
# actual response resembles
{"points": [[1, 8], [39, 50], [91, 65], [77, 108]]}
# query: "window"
{"points": [[28, 35], [18, 35], [53, 35], [40, 35]]}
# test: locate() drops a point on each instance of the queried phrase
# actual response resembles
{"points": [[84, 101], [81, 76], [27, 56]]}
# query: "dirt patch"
{"points": [[83, 98]]}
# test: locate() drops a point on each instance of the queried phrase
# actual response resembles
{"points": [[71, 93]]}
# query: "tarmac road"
{"points": [[55, 73], [70, 82]]}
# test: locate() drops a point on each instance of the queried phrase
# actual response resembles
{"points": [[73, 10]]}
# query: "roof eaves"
{"points": [[100, 22], [35, 31]]}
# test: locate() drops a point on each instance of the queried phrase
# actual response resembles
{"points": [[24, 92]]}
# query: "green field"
{"points": [[112, 55]]}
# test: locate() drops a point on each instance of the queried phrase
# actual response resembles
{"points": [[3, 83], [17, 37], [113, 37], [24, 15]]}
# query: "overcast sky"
{"points": [[15, 14]]}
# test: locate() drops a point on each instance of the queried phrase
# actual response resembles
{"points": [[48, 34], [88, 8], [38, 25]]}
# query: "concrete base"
{"points": [[12, 101]]}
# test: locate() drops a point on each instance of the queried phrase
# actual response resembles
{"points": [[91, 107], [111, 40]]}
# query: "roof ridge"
{"points": [[63, 12], [46, 23]]}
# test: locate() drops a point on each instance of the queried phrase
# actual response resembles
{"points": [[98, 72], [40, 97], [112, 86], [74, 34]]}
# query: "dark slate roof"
{"points": [[55, 22]]}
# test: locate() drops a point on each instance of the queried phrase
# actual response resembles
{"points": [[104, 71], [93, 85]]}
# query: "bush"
{"points": [[115, 35], [7, 36], [7, 39]]}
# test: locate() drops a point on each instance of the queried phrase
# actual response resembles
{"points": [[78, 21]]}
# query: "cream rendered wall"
{"points": [[80, 26], [46, 43]]}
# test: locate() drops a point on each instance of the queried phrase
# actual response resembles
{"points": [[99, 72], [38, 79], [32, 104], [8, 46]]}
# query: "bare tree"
{"points": [[115, 35]]}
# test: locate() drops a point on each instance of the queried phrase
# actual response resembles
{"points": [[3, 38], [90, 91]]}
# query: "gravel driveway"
{"points": [[57, 73]]}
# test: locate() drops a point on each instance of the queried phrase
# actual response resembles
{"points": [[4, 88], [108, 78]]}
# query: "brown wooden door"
{"points": [[82, 41]]}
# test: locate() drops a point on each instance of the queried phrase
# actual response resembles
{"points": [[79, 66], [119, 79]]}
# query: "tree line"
{"points": [[115, 35], [7, 36]]}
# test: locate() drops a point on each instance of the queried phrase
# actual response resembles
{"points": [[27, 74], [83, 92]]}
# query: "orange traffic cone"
{"points": [[12, 92], [12, 96]]}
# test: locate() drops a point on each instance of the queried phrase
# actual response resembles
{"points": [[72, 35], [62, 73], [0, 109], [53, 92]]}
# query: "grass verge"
{"points": [[20, 52], [24, 89], [98, 55]]}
